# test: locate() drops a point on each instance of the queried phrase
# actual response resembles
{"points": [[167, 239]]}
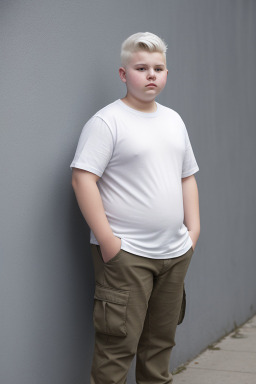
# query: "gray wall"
{"points": [[59, 65]]}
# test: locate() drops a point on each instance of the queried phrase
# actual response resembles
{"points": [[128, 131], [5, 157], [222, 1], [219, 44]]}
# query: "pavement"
{"points": [[230, 361]]}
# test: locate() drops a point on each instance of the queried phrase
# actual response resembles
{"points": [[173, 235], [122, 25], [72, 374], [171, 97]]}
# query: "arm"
{"points": [[91, 206], [191, 207]]}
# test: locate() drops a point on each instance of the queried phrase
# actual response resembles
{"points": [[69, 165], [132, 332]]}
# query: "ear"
{"points": [[122, 74]]}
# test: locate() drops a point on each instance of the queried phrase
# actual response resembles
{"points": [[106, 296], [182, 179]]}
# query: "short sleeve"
{"points": [[95, 147], [189, 165]]}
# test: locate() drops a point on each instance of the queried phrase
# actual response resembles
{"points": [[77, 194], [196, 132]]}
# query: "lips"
{"points": [[151, 85]]}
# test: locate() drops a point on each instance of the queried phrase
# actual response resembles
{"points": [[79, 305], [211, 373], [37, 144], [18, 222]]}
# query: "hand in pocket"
{"points": [[110, 248]]}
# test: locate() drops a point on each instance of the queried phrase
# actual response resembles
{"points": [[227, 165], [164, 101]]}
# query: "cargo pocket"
{"points": [[109, 314]]}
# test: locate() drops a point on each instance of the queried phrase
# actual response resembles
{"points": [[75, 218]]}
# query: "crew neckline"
{"points": [[139, 113]]}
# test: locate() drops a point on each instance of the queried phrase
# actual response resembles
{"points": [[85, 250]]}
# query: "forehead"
{"points": [[145, 57]]}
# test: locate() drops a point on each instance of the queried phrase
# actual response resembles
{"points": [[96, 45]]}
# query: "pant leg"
{"points": [[123, 288], [157, 339]]}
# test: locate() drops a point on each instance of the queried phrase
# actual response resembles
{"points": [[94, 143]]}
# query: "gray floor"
{"points": [[231, 361]]}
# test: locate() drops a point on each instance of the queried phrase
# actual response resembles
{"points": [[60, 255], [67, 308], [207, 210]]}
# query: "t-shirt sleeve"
{"points": [[95, 147], [189, 166]]}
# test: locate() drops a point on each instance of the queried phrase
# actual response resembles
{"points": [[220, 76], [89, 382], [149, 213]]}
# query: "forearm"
{"points": [[90, 204], [191, 207]]}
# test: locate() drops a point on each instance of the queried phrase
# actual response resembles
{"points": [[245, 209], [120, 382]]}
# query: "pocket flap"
{"points": [[111, 295]]}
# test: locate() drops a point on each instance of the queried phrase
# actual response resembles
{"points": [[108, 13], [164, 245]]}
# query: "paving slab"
{"points": [[232, 360], [226, 361], [247, 343], [189, 376]]}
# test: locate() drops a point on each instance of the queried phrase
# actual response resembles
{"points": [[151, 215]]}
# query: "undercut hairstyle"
{"points": [[142, 41]]}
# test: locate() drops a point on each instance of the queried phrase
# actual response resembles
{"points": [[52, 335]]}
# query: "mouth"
{"points": [[151, 85]]}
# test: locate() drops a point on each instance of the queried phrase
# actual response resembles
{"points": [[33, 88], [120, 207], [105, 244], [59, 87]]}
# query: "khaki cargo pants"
{"points": [[136, 310]]}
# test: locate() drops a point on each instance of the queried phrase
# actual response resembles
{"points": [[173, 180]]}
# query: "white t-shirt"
{"points": [[141, 159]]}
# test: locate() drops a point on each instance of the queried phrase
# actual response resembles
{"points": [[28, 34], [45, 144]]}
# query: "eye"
{"points": [[140, 69], [159, 69]]}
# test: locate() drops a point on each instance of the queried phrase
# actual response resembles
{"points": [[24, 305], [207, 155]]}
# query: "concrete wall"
{"points": [[59, 63]]}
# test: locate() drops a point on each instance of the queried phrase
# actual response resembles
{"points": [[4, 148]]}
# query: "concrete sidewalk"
{"points": [[231, 361]]}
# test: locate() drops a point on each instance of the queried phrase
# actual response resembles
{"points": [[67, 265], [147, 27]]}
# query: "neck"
{"points": [[147, 107]]}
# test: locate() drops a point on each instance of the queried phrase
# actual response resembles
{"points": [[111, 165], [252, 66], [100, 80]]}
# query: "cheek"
{"points": [[135, 79], [163, 80]]}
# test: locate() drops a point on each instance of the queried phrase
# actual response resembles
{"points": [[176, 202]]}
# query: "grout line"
{"points": [[231, 350], [220, 370]]}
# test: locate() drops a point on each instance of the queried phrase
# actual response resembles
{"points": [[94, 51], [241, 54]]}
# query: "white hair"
{"points": [[142, 41]]}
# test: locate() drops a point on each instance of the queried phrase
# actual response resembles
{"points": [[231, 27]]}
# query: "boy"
{"points": [[133, 176]]}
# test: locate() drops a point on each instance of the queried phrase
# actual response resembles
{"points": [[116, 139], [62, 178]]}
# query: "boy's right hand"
{"points": [[110, 248]]}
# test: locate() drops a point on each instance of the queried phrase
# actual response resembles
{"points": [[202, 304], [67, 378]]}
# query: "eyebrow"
{"points": [[156, 65]]}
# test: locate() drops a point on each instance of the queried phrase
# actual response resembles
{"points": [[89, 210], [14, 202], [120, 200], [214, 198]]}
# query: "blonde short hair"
{"points": [[142, 41]]}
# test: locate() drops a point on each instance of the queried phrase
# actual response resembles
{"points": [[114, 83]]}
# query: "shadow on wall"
{"points": [[82, 287], [79, 247]]}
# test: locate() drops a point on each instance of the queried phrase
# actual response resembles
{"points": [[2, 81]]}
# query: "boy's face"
{"points": [[145, 75]]}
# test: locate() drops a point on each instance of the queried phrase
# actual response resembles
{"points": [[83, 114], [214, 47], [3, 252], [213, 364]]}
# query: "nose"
{"points": [[151, 74]]}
